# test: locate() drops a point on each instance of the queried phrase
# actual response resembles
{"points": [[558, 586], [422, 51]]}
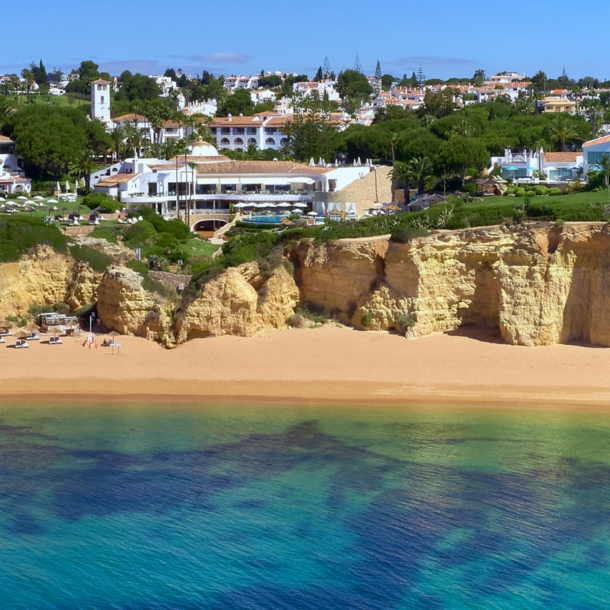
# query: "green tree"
{"points": [[539, 81], [419, 169], [457, 155], [238, 103], [137, 87], [401, 173], [83, 167], [438, 104], [311, 133], [353, 86], [478, 80], [563, 131], [604, 166], [40, 73], [273, 81]]}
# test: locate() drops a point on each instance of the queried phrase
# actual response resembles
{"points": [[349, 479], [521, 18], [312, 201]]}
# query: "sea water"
{"points": [[181, 507]]}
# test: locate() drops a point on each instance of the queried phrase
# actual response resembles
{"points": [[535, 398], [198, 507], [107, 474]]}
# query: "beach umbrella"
{"points": [[114, 335], [30, 210], [378, 205], [283, 205], [38, 198], [76, 188], [312, 213], [22, 198], [58, 187], [297, 211], [67, 187], [52, 201], [300, 205], [22, 335], [241, 205]]}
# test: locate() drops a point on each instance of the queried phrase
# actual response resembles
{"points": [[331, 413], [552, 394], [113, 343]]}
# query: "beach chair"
{"points": [[2, 340]]}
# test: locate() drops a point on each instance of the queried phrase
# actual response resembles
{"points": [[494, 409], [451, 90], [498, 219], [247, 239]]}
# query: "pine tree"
{"points": [[378, 71], [319, 75], [421, 77], [357, 65], [326, 70]]}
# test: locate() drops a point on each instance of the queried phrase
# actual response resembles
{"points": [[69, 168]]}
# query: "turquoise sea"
{"points": [[182, 507]]}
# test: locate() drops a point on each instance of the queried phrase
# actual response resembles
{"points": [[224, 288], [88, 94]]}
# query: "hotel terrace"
{"points": [[207, 183]]}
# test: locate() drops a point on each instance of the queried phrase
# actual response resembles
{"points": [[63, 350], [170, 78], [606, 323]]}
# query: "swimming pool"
{"points": [[265, 219]]}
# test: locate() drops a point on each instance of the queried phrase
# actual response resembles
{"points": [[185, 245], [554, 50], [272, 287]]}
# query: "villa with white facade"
{"points": [[263, 130], [207, 182], [12, 177], [557, 166]]}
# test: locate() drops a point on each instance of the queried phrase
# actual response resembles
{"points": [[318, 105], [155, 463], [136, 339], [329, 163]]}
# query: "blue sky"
{"points": [[446, 37]]}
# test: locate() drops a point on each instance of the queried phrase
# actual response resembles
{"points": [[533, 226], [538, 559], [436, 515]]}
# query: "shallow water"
{"points": [[185, 507]]}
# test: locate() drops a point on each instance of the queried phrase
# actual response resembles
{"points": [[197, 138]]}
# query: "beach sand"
{"points": [[329, 364]]}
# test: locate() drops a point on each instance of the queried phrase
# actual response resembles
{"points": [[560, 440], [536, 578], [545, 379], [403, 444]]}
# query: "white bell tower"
{"points": [[100, 100]]}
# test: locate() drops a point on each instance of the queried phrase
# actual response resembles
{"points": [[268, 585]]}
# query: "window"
{"points": [[270, 129], [270, 142], [252, 141], [238, 141], [251, 131], [239, 130], [595, 158], [102, 99], [226, 130], [225, 142]]}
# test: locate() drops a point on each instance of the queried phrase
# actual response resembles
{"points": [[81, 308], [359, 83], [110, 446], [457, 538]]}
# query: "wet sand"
{"points": [[329, 364]]}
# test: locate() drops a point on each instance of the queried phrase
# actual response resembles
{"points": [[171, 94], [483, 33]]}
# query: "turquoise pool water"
{"points": [[184, 507], [265, 219]]}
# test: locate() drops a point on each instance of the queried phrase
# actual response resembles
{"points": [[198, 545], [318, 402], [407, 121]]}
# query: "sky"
{"points": [[241, 37]]}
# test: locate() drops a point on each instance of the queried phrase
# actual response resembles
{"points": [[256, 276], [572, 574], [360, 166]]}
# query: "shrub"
{"points": [[19, 233], [95, 200], [520, 192], [554, 191], [296, 321], [98, 261], [404, 234], [106, 233], [470, 187], [511, 190], [541, 191], [405, 321], [139, 235], [530, 193], [366, 319]]}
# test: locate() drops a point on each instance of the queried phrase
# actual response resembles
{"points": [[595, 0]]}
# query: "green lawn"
{"points": [[198, 247], [19, 101], [582, 197]]}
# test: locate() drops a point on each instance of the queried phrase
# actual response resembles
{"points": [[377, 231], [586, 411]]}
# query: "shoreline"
{"points": [[328, 365]]}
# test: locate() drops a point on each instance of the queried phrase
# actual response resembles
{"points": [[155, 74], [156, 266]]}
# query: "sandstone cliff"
{"points": [[126, 307], [239, 302], [539, 286], [45, 277]]}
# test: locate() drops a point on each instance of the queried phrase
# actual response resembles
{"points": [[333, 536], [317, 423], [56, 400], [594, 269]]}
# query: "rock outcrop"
{"points": [[45, 277], [126, 307], [240, 302], [539, 286]]}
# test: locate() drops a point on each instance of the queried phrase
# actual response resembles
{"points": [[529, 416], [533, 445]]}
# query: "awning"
{"points": [[207, 180], [274, 181]]}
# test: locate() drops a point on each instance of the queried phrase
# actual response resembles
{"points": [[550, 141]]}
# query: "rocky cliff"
{"points": [[539, 286], [45, 277]]}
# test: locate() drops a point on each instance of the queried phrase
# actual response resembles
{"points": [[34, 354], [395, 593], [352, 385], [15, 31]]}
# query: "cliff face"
{"points": [[239, 302], [539, 286], [125, 307], [45, 277]]}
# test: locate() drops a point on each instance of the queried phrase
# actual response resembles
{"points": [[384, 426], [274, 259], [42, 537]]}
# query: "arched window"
{"points": [[238, 142], [252, 141], [225, 142], [270, 142], [284, 141], [239, 150]]}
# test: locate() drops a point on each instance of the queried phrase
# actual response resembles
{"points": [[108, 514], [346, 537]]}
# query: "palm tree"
{"points": [[118, 138], [83, 167], [419, 169], [462, 128], [604, 165], [401, 172], [563, 131]]}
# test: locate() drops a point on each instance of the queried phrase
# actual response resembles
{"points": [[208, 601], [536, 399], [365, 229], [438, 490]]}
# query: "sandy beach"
{"points": [[328, 364]]}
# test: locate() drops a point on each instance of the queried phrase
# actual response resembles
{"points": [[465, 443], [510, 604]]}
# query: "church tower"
{"points": [[100, 101]]}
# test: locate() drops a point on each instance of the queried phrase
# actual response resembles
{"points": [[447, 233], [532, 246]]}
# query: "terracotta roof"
{"points": [[101, 80], [602, 140], [129, 117], [263, 167], [561, 157], [238, 121], [5, 139], [116, 179]]}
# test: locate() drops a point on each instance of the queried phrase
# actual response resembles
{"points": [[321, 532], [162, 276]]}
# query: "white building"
{"points": [[594, 152], [557, 166], [207, 182], [100, 100], [264, 130], [12, 177]]}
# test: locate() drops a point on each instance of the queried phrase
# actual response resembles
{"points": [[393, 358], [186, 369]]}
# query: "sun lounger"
{"points": [[32, 337], [55, 341], [2, 340], [21, 344]]}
